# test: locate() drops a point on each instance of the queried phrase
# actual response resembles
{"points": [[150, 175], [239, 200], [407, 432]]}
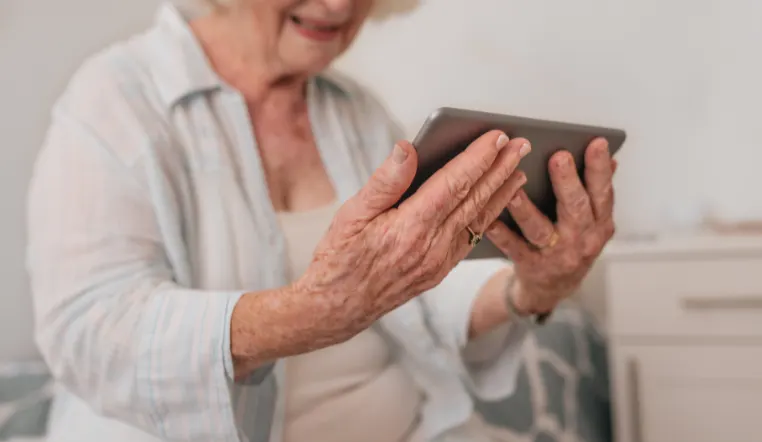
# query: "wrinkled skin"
{"points": [[375, 258], [547, 274]]}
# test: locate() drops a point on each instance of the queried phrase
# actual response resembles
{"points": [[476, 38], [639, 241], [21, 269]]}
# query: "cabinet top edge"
{"points": [[686, 245]]}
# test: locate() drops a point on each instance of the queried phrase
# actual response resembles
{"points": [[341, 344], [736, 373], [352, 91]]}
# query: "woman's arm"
{"points": [[111, 322], [292, 320], [274, 324], [489, 309]]}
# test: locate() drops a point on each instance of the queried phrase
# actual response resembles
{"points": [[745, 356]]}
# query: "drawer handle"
{"points": [[636, 420], [724, 303]]}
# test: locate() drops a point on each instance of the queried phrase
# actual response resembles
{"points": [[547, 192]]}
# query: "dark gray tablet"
{"points": [[448, 131]]}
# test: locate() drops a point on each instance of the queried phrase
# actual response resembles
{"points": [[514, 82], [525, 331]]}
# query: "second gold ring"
{"points": [[473, 237]]}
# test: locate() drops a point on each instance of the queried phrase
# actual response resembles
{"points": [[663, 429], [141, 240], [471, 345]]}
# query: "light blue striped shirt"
{"points": [[148, 218]]}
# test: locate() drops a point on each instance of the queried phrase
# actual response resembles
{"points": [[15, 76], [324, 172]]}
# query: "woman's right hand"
{"points": [[375, 258]]}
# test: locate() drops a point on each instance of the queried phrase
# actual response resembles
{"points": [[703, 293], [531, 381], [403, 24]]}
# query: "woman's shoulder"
{"points": [[154, 67], [113, 94]]}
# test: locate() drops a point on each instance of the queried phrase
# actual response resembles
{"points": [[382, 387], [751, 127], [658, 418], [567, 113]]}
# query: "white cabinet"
{"points": [[685, 322]]}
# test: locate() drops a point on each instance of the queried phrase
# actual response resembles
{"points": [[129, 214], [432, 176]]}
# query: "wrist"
{"points": [[489, 309], [516, 298], [519, 302], [328, 312], [272, 324]]}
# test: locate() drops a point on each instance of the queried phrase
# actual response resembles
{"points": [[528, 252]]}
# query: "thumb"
{"points": [[387, 184]]}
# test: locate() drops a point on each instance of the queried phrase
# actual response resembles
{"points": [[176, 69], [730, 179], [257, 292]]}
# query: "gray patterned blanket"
{"points": [[562, 393]]}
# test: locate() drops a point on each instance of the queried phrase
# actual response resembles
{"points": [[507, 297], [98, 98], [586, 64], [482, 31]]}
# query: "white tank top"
{"points": [[350, 392]]}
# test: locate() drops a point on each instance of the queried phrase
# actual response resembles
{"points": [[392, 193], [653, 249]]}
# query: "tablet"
{"points": [[448, 131]]}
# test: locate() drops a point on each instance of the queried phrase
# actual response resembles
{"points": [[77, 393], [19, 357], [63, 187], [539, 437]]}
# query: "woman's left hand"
{"points": [[551, 263]]}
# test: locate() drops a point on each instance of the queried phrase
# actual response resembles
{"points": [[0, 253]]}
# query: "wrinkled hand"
{"points": [[375, 257], [554, 259]]}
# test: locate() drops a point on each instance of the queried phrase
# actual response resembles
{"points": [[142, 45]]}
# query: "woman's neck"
{"points": [[236, 53]]}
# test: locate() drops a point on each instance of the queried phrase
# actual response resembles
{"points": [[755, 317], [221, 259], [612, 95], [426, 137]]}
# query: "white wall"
{"points": [[40, 45], [682, 76]]}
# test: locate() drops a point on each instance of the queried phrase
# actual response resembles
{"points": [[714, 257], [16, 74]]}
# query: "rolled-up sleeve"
{"points": [[490, 363], [111, 322]]}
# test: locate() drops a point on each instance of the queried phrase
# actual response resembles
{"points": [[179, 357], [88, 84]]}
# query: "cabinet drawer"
{"points": [[702, 298], [691, 394]]}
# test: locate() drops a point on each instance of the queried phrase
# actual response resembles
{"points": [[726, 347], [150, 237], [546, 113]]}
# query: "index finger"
{"points": [[599, 171], [512, 245], [444, 191]]}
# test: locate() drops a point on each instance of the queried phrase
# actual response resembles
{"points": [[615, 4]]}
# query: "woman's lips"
{"points": [[316, 29]]}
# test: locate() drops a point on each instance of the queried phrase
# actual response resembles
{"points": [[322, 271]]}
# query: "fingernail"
{"points": [[516, 201], [522, 179], [525, 149], [399, 155], [564, 161], [502, 141]]}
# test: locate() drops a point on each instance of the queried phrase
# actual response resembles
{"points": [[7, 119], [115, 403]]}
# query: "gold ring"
{"points": [[552, 242], [473, 237]]}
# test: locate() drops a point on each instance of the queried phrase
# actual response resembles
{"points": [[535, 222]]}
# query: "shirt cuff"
{"points": [[489, 364], [492, 361], [463, 285], [258, 375]]}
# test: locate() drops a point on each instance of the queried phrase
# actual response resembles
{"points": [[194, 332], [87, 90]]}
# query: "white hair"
{"points": [[382, 9]]}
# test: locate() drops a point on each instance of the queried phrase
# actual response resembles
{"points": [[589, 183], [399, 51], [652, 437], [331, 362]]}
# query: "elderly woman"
{"points": [[216, 253]]}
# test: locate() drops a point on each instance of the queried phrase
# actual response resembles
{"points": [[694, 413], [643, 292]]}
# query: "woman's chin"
{"points": [[309, 56], [311, 64]]}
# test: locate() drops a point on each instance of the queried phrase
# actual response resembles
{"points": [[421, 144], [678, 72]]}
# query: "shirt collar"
{"points": [[180, 67], [177, 61]]}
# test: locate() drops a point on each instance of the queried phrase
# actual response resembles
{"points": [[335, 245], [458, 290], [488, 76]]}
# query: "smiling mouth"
{"points": [[315, 26]]}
